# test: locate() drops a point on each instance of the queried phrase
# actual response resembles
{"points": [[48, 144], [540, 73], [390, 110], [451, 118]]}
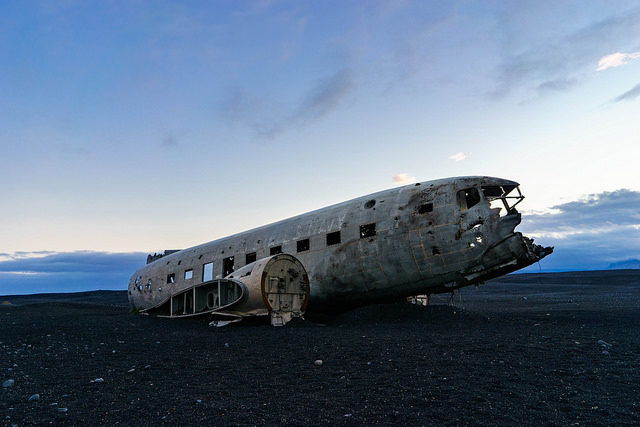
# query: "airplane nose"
{"points": [[508, 223]]}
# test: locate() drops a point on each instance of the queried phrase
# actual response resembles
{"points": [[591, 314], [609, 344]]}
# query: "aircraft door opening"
{"points": [[227, 266]]}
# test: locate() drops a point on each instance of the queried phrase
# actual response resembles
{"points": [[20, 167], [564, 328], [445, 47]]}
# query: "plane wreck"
{"points": [[416, 240]]}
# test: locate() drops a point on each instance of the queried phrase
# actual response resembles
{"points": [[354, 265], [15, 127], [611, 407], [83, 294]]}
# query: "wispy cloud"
{"points": [[557, 85], [458, 157], [261, 116], [240, 108], [169, 140], [403, 179], [629, 95], [324, 96], [562, 62], [24, 254], [616, 60]]}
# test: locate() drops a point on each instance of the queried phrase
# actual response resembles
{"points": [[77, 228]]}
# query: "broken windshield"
{"points": [[500, 196]]}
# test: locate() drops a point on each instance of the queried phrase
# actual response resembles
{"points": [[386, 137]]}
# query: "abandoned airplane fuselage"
{"points": [[424, 238]]}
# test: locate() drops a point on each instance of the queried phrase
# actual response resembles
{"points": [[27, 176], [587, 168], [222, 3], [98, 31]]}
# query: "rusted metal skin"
{"points": [[428, 238], [277, 286]]}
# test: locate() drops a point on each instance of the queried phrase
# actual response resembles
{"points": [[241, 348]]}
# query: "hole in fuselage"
{"points": [[249, 258], [227, 266], [425, 208], [367, 230], [275, 250]]}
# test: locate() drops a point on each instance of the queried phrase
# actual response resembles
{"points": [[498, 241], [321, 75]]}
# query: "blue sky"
{"points": [[131, 127]]}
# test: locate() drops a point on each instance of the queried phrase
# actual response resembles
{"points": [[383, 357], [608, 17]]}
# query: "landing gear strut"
{"points": [[419, 299]]}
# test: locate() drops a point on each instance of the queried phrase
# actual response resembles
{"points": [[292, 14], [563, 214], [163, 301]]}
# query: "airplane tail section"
{"points": [[276, 286]]}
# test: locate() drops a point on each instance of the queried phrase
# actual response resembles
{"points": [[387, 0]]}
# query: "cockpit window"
{"points": [[468, 198], [490, 191], [500, 196]]}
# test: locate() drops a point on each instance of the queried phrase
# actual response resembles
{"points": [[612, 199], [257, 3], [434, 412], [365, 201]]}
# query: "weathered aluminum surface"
{"points": [[277, 285], [427, 240]]}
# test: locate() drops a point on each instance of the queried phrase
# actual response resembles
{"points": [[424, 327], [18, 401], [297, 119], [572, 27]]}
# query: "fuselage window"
{"points": [[188, 274], [171, 278], [367, 230], [468, 198], [333, 238], [227, 266], [207, 272], [275, 250], [249, 258], [303, 245]]}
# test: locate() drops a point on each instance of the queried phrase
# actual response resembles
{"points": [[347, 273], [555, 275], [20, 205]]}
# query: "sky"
{"points": [[129, 127]]}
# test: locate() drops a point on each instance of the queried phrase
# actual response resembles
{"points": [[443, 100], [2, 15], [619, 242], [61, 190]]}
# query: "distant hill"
{"points": [[89, 297], [629, 263]]}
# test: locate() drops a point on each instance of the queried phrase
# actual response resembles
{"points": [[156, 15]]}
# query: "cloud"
{"points": [[591, 233], [31, 272], [325, 96], [629, 95], [403, 179], [616, 60], [562, 62], [557, 85], [65, 262], [258, 114], [591, 214], [265, 118], [169, 140], [31, 254], [458, 157], [4, 256]]}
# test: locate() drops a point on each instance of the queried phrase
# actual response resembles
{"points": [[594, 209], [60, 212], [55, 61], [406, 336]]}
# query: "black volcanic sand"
{"points": [[551, 348]]}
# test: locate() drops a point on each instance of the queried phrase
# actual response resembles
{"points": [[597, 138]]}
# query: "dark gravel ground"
{"points": [[527, 349]]}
